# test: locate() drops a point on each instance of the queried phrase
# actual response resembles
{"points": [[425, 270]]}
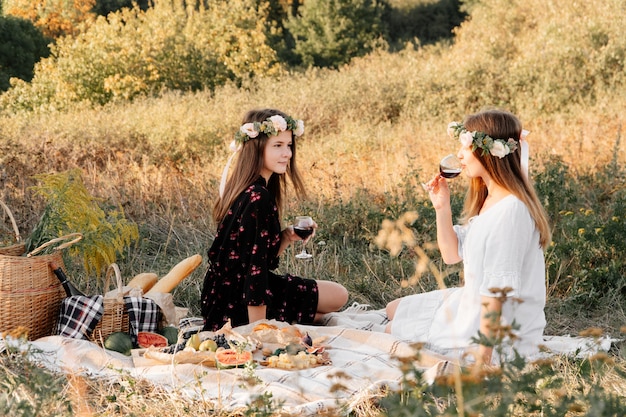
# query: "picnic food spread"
{"points": [[269, 345]]}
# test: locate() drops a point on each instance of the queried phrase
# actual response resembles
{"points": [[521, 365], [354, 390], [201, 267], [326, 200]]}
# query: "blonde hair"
{"points": [[249, 164], [506, 172]]}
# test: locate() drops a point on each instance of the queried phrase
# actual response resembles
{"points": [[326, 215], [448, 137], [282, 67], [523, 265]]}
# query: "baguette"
{"points": [[179, 272], [144, 280]]}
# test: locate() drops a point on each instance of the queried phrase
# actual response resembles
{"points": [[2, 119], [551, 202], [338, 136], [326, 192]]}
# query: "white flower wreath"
{"points": [[496, 147], [272, 126]]}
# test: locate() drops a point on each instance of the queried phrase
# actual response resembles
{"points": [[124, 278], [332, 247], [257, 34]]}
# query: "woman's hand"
{"points": [[288, 236], [438, 192]]}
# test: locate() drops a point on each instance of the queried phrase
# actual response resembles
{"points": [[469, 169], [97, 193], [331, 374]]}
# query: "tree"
{"points": [[329, 33], [55, 18], [21, 46]]}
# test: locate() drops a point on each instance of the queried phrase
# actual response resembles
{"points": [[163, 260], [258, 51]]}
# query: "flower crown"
{"points": [[496, 147], [272, 126]]}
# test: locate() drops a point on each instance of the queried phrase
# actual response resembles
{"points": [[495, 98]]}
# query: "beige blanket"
{"points": [[363, 362]]}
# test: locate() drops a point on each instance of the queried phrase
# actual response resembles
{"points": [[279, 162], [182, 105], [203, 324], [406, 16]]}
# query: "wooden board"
{"points": [[139, 360]]}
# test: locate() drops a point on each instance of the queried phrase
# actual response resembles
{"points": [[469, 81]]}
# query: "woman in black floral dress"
{"points": [[239, 284]]}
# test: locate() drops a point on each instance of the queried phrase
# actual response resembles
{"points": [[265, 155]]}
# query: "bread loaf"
{"points": [[179, 272], [144, 280]]}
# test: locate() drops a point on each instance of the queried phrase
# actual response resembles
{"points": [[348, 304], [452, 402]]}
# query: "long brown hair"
{"points": [[506, 172], [249, 164]]}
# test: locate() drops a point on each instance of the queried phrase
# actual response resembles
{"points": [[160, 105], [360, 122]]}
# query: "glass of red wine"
{"points": [[303, 228], [450, 166]]}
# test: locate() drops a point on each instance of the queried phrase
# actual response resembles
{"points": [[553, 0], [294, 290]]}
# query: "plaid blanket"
{"points": [[79, 315]]}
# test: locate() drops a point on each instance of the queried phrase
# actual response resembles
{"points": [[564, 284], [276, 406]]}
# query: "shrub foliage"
{"points": [[174, 45], [329, 33]]}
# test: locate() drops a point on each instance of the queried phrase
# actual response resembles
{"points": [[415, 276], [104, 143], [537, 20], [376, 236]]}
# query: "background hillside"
{"points": [[143, 105]]}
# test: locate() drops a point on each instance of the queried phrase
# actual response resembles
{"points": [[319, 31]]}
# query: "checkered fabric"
{"points": [[79, 315], [144, 315]]}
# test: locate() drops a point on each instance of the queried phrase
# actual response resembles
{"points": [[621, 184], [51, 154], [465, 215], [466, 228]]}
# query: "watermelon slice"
{"points": [[231, 358], [148, 339]]}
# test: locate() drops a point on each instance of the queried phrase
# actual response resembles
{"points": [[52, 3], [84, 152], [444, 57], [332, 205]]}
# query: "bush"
{"points": [[585, 262], [422, 22], [329, 33], [171, 46]]}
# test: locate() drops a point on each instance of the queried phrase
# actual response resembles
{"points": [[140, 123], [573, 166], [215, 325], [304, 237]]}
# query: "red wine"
{"points": [[449, 172], [303, 232], [69, 288]]}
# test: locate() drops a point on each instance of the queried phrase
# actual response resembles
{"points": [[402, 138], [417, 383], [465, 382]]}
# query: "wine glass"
{"points": [[303, 228], [450, 166]]}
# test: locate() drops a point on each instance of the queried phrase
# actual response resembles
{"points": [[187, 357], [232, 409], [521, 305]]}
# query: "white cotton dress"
{"points": [[500, 248]]}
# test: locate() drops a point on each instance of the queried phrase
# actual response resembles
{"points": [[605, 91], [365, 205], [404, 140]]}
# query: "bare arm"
{"points": [[446, 237]]}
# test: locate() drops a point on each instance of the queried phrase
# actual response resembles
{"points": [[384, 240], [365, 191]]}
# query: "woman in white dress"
{"points": [[500, 240]]}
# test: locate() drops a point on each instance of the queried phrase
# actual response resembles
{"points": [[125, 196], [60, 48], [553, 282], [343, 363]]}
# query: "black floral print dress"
{"points": [[241, 260]]}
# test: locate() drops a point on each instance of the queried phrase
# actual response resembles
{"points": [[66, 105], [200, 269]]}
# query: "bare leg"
{"points": [[332, 297], [391, 308]]}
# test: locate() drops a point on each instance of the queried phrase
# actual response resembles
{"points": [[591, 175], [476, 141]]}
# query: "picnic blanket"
{"points": [[361, 316], [363, 364]]}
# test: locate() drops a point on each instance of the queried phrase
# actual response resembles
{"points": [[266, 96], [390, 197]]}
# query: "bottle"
{"points": [[69, 288]]}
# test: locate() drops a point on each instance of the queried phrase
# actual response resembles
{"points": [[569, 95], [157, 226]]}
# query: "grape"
{"points": [[221, 341], [174, 348]]}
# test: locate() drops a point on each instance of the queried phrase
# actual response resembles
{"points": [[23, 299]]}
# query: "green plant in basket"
{"points": [[70, 208]]}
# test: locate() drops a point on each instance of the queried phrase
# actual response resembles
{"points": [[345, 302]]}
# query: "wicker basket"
{"points": [[18, 248], [115, 316], [30, 293]]}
